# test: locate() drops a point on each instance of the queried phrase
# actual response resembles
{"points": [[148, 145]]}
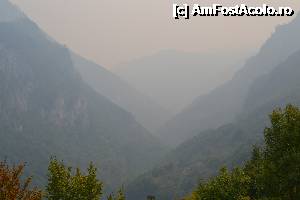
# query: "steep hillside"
{"points": [[46, 109], [145, 110], [223, 104], [202, 156], [283, 81]]}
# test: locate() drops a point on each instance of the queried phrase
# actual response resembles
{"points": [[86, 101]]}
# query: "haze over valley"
{"points": [[137, 105]]}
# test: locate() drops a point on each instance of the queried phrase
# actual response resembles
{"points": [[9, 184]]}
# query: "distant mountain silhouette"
{"points": [[174, 78], [46, 109], [222, 105], [146, 111]]}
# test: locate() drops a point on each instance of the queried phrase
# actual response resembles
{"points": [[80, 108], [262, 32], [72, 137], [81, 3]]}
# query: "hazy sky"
{"points": [[113, 31]]}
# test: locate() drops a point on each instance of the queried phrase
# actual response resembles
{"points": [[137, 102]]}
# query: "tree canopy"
{"points": [[273, 173], [64, 185], [12, 187]]}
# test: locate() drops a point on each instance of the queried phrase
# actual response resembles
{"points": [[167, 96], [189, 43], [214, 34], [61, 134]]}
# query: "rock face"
{"points": [[46, 109]]}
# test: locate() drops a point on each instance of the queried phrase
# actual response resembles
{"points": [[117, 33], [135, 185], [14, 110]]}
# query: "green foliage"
{"points": [[63, 185], [226, 186], [273, 173], [282, 153], [120, 196]]}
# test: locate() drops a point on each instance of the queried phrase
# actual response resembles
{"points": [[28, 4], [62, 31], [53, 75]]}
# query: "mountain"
{"points": [[9, 12], [283, 81], [222, 105], [46, 109], [146, 111], [174, 78], [200, 157]]}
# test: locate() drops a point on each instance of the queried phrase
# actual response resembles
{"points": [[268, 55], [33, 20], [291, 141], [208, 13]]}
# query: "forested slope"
{"points": [[47, 110]]}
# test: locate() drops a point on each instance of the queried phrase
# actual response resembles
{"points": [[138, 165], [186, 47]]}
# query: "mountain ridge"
{"points": [[46, 109], [174, 78], [223, 104], [200, 157], [146, 111]]}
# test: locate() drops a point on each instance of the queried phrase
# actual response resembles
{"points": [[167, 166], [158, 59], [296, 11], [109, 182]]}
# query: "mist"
{"points": [[118, 35], [116, 100], [110, 32]]}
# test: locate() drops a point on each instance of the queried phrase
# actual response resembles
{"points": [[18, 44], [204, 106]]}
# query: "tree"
{"points": [[273, 173], [225, 186], [120, 195], [282, 153], [11, 186], [255, 170], [63, 185]]}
